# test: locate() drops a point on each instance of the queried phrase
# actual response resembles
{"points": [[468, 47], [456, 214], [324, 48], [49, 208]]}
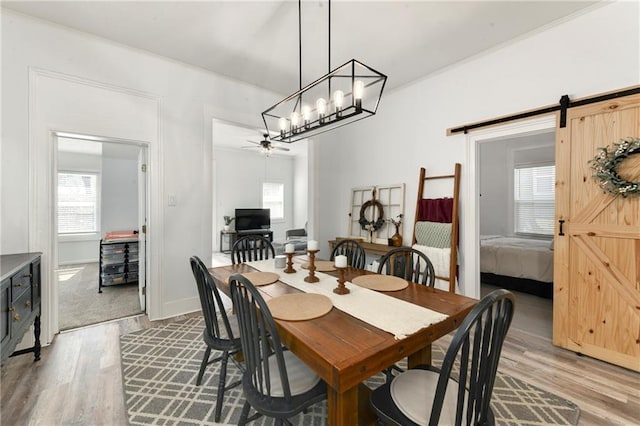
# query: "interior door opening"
{"points": [[100, 205], [516, 181]]}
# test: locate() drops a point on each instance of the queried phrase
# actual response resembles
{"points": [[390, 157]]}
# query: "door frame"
{"points": [[54, 303], [471, 208]]}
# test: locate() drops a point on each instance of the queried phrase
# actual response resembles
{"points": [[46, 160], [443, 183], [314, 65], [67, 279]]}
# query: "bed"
{"points": [[521, 264]]}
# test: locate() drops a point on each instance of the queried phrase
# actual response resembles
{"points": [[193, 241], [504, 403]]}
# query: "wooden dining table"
{"points": [[345, 351]]}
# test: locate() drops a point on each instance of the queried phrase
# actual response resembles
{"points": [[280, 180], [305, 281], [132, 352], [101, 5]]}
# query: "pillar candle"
{"points": [[312, 245], [289, 248], [341, 261]]}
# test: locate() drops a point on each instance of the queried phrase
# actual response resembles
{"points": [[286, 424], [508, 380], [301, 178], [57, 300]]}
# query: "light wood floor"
{"points": [[78, 381]]}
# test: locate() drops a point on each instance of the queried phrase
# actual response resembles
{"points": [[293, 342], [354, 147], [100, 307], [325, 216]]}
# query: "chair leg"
{"points": [[203, 365], [221, 385], [245, 414]]}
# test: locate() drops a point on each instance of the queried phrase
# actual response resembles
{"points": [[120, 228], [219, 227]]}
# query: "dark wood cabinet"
{"points": [[20, 298], [118, 262]]}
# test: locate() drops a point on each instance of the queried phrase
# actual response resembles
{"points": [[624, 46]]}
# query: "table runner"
{"points": [[387, 313]]}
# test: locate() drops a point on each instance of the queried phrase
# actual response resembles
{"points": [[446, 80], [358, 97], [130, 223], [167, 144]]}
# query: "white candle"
{"points": [[341, 261], [312, 245], [289, 248]]}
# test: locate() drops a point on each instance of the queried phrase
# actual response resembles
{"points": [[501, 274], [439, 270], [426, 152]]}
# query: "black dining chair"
{"points": [[430, 395], [356, 256], [220, 332], [250, 248], [408, 263], [276, 383]]}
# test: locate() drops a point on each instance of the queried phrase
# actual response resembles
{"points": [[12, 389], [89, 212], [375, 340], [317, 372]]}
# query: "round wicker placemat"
{"points": [[321, 265], [261, 278], [299, 306], [381, 282]]}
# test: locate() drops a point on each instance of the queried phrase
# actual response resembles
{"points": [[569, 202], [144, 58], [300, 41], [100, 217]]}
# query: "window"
{"points": [[77, 202], [273, 198], [534, 199]]}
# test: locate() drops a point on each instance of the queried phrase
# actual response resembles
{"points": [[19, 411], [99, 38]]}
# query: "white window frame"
{"points": [[77, 236], [275, 219], [514, 202]]}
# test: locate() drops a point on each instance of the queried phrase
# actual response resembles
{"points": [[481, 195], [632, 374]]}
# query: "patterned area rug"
{"points": [[160, 366]]}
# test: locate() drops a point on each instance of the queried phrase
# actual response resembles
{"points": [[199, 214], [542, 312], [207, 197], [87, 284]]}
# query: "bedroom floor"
{"points": [[533, 314]]}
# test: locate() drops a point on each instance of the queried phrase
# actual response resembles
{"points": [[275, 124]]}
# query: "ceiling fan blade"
{"points": [[280, 148], [250, 147]]}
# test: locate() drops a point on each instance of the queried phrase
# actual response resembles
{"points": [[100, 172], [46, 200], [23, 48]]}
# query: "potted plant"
{"points": [[227, 222]]}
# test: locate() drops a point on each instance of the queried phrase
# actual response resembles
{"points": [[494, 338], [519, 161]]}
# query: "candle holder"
{"points": [[341, 289], [311, 278], [289, 269]]}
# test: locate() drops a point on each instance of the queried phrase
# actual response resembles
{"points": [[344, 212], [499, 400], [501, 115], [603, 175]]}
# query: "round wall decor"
{"points": [[371, 225], [606, 165]]}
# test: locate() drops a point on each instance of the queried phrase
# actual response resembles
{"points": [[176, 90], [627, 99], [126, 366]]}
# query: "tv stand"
{"points": [[264, 232]]}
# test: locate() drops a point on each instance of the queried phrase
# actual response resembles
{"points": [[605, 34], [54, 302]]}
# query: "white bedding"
{"points": [[517, 257]]}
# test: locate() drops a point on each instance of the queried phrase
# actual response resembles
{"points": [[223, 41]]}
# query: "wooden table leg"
{"points": [[349, 408], [422, 357]]}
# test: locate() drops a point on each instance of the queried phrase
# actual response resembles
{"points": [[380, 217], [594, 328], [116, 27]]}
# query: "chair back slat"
{"points": [[409, 264], [356, 256], [260, 340], [212, 306], [251, 248], [476, 346]]}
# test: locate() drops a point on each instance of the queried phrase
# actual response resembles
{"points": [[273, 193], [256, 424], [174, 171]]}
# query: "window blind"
{"points": [[534, 200], [273, 198], [77, 203]]}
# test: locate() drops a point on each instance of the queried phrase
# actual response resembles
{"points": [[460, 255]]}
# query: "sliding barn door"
{"points": [[596, 309]]}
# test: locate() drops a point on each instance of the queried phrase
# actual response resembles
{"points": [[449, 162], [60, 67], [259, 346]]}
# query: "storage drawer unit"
{"points": [[117, 260], [19, 301]]}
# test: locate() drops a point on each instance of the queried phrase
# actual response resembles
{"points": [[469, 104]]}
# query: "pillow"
{"points": [[433, 234]]}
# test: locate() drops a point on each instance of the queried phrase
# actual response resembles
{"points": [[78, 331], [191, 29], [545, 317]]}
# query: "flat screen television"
{"points": [[250, 219]]}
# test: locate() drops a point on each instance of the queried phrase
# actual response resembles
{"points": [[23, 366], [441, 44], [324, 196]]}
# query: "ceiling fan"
{"points": [[265, 145]]}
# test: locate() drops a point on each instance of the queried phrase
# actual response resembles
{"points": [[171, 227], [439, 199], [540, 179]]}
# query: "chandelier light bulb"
{"points": [[295, 120], [321, 106], [282, 123], [338, 100], [306, 115], [358, 92]]}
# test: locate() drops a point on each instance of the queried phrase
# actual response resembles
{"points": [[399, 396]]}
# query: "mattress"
{"points": [[517, 257]]}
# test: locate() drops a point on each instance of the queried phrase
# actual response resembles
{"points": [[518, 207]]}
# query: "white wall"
{"points": [[300, 191], [238, 184], [496, 162], [54, 79], [409, 130]]}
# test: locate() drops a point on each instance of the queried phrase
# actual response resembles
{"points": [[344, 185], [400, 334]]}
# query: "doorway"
{"points": [[513, 239], [100, 206]]}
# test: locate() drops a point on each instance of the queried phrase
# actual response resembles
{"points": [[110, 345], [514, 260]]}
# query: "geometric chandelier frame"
{"points": [[347, 94], [344, 95]]}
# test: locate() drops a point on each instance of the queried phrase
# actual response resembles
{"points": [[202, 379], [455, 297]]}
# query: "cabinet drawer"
{"points": [[21, 282], [113, 279], [113, 258], [116, 268], [5, 318], [132, 267], [21, 309], [117, 248]]}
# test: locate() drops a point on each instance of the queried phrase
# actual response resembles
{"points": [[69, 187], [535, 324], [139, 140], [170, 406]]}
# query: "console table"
{"points": [[370, 248], [268, 233], [19, 302]]}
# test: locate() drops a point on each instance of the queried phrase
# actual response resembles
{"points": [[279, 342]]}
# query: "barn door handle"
{"points": [[561, 222]]}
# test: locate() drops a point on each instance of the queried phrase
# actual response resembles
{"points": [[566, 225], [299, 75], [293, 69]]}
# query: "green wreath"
{"points": [[606, 164], [370, 225]]}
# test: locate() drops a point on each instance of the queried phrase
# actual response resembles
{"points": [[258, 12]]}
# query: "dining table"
{"points": [[344, 350]]}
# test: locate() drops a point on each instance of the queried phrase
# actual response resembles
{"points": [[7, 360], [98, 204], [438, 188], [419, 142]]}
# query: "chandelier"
{"points": [[349, 93]]}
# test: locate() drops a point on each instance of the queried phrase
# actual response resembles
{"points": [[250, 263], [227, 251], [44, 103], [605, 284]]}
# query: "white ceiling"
{"points": [[257, 41]]}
